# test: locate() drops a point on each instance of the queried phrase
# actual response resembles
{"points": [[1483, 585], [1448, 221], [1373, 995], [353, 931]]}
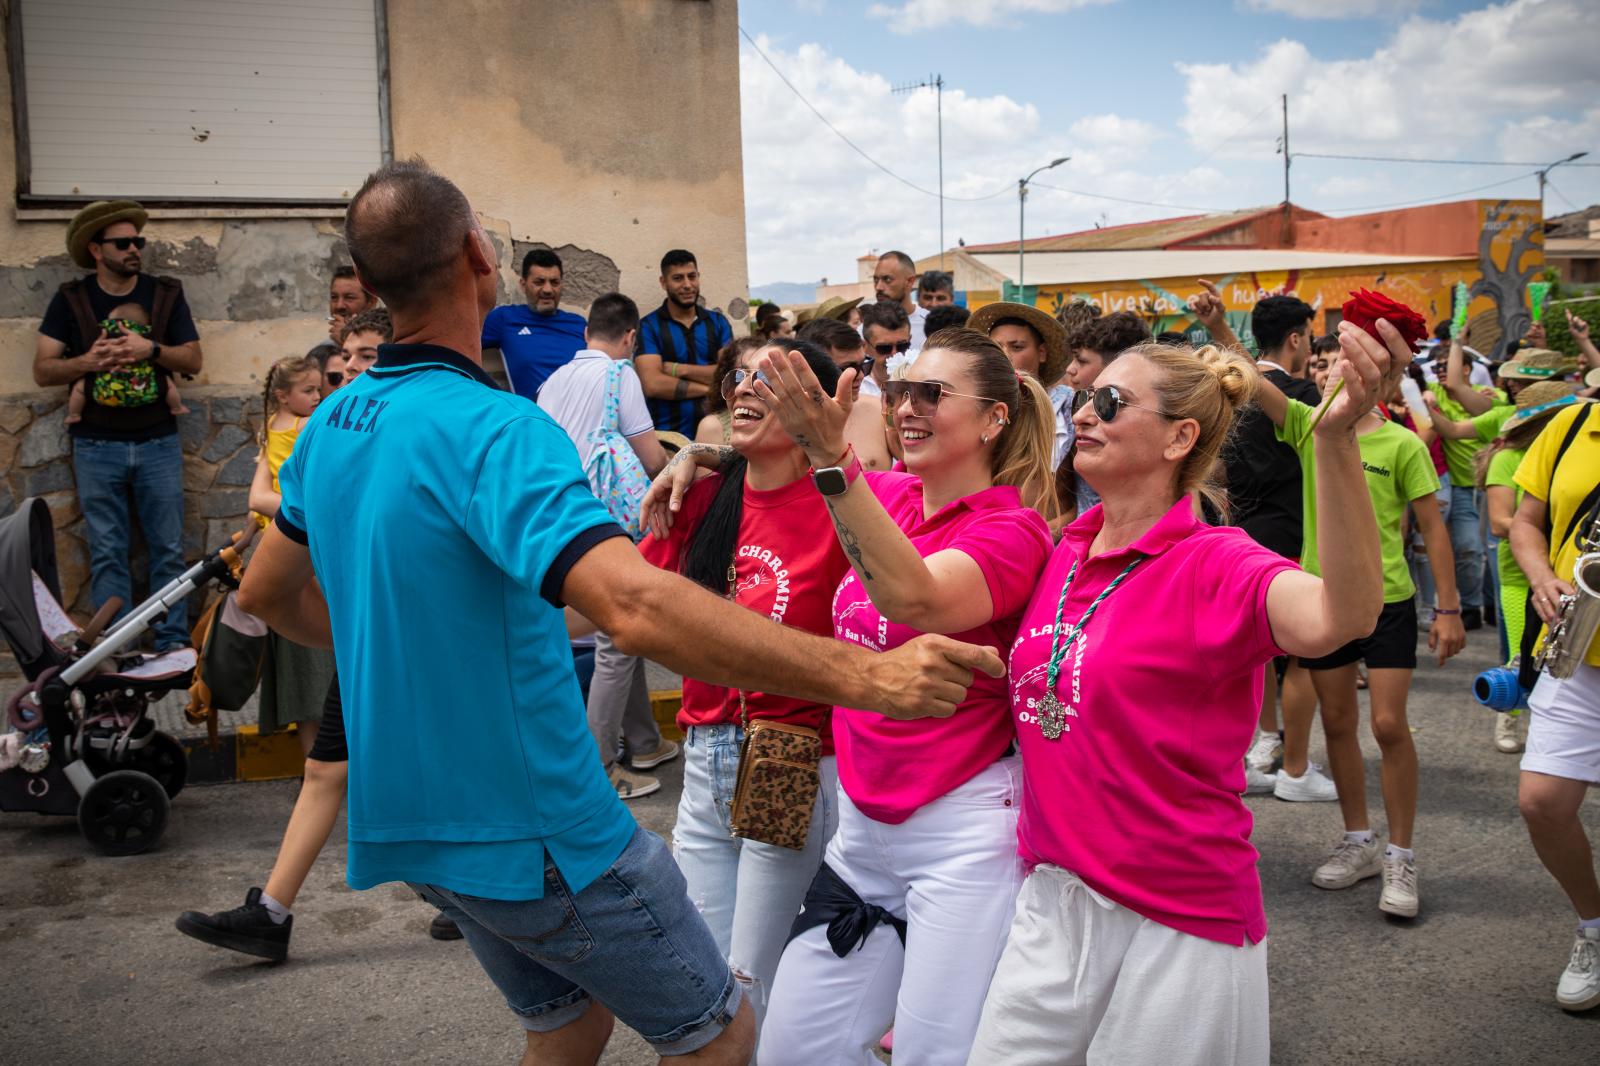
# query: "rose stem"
{"points": [[1326, 403]]}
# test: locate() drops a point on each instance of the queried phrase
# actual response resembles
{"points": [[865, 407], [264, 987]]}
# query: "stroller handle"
{"points": [[101, 619]]}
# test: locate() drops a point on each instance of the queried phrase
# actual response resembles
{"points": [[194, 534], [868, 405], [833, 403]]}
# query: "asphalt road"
{"points": [[91, 970]]}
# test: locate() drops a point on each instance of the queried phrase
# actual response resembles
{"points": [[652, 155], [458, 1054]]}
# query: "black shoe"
{"points": [[248, 928], [442, 928], [1472, 618]]}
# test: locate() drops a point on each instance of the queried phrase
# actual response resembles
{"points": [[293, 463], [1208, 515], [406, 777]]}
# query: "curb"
{"points": [[245, 755]]}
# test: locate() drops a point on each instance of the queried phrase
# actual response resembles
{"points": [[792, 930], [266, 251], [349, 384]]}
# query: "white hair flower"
{"points": [[901, 362]]}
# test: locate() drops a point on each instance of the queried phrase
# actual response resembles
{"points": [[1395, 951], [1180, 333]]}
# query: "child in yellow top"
{"points": [[293, 388]]}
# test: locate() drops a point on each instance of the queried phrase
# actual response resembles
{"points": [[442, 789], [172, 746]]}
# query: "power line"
{"points": [[856, 147], [1552, 187], [1441, 162], [1126, 200], [1441, 196]]}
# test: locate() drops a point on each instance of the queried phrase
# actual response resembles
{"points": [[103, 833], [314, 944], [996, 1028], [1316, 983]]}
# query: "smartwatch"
{"points": [[155, 351], [834, 480]]}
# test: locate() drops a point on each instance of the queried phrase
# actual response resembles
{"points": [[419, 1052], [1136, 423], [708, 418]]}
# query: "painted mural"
{"points": [[1510, 254]]}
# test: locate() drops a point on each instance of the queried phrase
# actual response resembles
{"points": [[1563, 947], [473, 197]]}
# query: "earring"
{"points": [[984, 438]]}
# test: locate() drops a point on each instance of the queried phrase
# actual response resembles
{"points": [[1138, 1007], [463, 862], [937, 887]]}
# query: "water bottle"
{"points": [[1498, 689]]}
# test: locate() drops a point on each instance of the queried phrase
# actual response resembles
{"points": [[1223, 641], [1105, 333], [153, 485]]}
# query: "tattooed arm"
{"points": [[943, 593], [665, 497]]}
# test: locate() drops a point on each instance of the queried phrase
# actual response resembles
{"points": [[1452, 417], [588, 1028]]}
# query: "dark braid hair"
{"points": [[714, 540]]}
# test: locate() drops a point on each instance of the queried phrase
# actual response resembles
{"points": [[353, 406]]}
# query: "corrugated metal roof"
{"points": [[1132, 236], [1072, 268]]}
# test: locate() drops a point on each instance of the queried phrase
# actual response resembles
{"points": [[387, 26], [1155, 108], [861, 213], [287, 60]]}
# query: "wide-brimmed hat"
{"points": [[96, 217], [1592, 378], [1534, 400], [833, 307], [1539, 364], [1053, 333]]}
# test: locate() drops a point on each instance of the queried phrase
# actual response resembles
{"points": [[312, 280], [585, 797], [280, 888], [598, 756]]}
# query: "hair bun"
{"points": [[1236, 374]]}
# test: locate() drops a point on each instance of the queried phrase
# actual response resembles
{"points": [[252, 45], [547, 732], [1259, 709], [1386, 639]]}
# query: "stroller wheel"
{"points": [[165, 760], [123, 813]]}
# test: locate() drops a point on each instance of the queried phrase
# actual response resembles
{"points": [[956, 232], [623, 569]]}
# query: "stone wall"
{"points": [[219, 454]]}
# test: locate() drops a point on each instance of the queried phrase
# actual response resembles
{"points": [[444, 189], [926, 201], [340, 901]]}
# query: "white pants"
{"points": [[1085, 980], [951, 871], [1564, 732]]}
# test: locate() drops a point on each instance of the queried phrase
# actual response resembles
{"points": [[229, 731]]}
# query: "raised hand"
{"points": [[1578, 327], [812, 418], [1207, 306], [1358, 376]]}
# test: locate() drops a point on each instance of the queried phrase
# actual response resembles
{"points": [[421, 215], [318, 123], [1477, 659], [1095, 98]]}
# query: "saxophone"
{"points": [[1573, 630]]}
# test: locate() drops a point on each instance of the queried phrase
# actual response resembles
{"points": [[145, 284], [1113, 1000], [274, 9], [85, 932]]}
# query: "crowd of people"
{"points": [[977, 613]]}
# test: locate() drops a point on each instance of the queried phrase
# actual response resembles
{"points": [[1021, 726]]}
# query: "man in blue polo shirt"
{"points": [[473, 775], [535, 338], [678, 345]]}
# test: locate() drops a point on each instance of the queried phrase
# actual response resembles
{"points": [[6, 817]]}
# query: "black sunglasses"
{"points": [[924, 396], [889, 348], [1107, 402], [732, 381], [335, 377], [122, 244]]}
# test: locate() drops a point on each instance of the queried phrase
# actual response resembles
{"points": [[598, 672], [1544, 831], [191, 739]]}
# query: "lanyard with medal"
{"points": [[1052, 714]]}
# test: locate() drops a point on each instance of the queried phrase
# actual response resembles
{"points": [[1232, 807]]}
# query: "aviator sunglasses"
{"points": [[924, 396], [891, 347], [122, 244], [1107, 402], [732, 381]]}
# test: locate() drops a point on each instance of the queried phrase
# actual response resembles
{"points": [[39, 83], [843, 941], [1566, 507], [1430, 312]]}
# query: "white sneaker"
{"points": [[1579, 988], [1350, 862], [1257, 782], [1313, 786], [1399, 896], [1508, 733], [1265, 752]]}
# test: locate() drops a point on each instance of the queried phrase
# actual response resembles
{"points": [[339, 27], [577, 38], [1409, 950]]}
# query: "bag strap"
{"points": [[611, 413], [1566, 442], [167, 292], [76, 293]]}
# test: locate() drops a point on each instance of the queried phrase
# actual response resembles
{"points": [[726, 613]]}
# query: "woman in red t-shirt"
{"points": [[923, 868], [760, 516]]}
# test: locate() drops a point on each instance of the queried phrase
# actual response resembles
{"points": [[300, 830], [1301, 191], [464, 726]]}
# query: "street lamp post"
{"points": [[1022, 213], [1548, 169]]}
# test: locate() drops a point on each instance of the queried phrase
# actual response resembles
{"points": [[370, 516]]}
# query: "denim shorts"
{"points": [[630, 940]]}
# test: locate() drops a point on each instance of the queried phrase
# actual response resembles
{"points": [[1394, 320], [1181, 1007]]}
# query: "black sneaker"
{"points": [[442, 928], [1471, 618], [248, 928]]}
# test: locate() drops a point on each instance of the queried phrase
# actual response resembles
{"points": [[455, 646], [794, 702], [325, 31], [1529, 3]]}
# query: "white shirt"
{"points": [[575, 396], [919, 320]]}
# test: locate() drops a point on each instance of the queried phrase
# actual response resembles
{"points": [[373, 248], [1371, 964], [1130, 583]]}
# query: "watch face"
{"points": [[831, 481]]}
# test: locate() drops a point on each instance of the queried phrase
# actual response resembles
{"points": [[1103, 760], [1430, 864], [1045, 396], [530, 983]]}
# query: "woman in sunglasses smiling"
{"points": [[1136, 681], [757, 533], [925, 852]]}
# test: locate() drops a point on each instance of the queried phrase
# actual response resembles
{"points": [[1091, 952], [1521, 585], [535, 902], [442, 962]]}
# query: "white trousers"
{"points": [[951, 871], [1085, 980]]}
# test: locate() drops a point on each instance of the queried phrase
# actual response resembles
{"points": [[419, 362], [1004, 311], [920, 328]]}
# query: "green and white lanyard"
{"points": [[1052, 714]]}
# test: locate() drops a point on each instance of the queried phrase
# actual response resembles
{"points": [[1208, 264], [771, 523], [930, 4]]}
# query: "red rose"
{"points": [[1365, 307]]}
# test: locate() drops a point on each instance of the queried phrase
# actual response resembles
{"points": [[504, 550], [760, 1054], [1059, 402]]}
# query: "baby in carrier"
{"points": [[134, 385]]}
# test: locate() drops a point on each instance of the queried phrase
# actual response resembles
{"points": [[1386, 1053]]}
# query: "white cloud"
{"points": [[1434, 87], [1333, 9], [913, 15], [813, 205]]}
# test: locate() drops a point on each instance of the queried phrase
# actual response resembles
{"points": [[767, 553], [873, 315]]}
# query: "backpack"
{"points": [[615, 473]]}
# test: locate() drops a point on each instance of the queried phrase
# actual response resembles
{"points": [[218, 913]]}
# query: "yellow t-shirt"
{"points": [[280, 442], [1574, 480]]}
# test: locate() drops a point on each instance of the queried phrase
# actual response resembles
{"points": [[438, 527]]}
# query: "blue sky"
{"points": [[1164, 102]]}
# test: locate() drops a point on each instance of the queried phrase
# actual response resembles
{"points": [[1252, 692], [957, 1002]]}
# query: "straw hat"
{"points": [[96, 217], [1053, 332], [833, 307], [1539, 364], [1592, 378], [1534, 400]]}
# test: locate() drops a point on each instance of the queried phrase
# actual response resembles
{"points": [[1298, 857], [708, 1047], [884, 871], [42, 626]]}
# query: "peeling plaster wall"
{"points": [[607, 130]]}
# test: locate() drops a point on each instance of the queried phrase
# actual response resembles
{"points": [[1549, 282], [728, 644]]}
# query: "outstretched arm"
{"points": [[1457, 385]]}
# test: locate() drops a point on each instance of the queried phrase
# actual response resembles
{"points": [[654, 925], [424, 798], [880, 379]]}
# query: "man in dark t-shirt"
{"points": [[127, 441]]}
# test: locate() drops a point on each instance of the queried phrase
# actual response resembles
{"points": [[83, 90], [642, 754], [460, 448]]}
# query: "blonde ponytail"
{"points": [[1210, 386]]}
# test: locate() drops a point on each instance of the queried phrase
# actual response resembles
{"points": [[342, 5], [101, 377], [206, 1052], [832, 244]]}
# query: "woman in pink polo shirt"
{"points": [[909, 913], [1136, 681]]}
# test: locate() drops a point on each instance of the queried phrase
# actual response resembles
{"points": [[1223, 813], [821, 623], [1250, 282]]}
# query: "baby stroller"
{"points": [[83, 742]]}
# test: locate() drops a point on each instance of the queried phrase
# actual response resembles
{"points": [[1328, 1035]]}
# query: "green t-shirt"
{"points": [[1458, 454], [1502, 471], [1398, 471]]}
